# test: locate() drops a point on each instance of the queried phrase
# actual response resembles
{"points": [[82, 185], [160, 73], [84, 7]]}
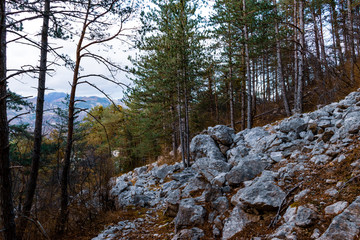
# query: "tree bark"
{"points": [[175, 144], [181, 130], [31, 185], [248, 77], [351, 40], [6, 197], [299, 95], [231, 96], [187, 128], [279, 64], [69, 142], [336, 33], [296, 48], [317, 47], [243, 94]]}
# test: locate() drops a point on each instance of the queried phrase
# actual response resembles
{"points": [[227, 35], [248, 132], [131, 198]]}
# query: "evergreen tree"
{"points": [[167, 74]]}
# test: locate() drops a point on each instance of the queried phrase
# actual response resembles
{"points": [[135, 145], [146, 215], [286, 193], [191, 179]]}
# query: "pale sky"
{"points": [[19, 55]]}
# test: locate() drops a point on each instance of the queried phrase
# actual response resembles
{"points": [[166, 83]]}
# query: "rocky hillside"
{"points": [[294, 179]]}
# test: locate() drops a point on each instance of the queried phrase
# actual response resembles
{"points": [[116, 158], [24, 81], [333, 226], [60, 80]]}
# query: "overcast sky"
{"points": [[19, 55]]}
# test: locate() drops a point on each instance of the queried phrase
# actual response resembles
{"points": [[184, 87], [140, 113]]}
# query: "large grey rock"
{"points": [[295, 124], [236, 153], [219, 180], [189, 214], [184, 175], [164, 170], [235, 223], [222, 134], [193, 186], [236, 160], [119, 187], [294, 217], [318, 114], [221, 204], [172, 203], [345, 225], [189, 234], [261, 194], [264, 143], [350, 125], [253, 136], [210, 168], [247, 169], [205, 146], [140, 170]]}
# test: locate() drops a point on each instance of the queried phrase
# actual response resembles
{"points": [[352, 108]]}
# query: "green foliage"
{"points": [[169, 66], [17, 102]]}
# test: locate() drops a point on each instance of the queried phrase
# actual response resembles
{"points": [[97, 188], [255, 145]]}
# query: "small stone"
{"points": [[340, 158], [320, 159], [316, 234], [276, 156], [301, 195], [336, 208], [330, 181], [193, 234], [305, 216], [339, 184], [332, 192]]}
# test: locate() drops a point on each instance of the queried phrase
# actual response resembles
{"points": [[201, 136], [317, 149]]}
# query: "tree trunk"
{"points": [[69, 143], [296, 48], [279, 64], [254, 86], [336, 33], [299, 95], [248, 77], [230, 76], [31, 186], [351, 40], [322, 42], [216, 105], [333, 36], [231, 96], [6, 198], [318, 61], [187, 128], [181, 130], [175, 144], [211, 97]]}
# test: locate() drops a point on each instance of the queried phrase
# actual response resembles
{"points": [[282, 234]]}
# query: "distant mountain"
{"points": [[53, 101]]}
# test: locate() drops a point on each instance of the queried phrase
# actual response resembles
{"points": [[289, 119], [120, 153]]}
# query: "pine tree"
{"points": [[167, 72]]}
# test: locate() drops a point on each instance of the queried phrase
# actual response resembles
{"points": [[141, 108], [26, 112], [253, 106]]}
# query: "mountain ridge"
{"points": [[53, 101]]}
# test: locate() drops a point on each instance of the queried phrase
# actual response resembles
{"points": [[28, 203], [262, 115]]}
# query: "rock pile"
{"points": [[237, 180]]}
